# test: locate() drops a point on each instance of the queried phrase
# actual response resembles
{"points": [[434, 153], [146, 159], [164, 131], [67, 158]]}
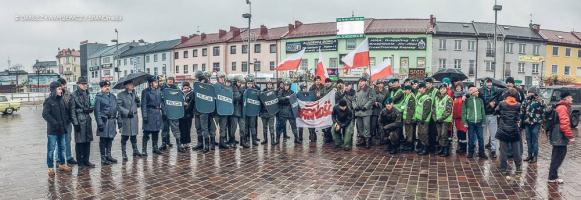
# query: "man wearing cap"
{"points": [[66, 99], [151, 115], [415, 84], [407, 81], [285, 112], [408, 108], [442, 115], [390, 122], [362, 105], [432, 91], [222, 119], [341, 129], [106, 117], [423, 116], [396, 93], [532, 111], [80, 108], [128, 103], [380, 95], [491, 96]]}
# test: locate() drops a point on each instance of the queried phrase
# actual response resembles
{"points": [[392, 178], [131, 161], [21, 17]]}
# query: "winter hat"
{"points": [[565, 95]]}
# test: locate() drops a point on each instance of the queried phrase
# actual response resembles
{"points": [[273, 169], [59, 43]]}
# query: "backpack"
{"points": [[551, 118]]}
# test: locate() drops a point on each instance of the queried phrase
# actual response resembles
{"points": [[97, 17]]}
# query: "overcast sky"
{"points": [[154, 20]]}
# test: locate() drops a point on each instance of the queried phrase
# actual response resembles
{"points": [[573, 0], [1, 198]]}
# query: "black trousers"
{"points": [[105, 145], [185, 126], [83, 150], [154, 138], [557, 157]]}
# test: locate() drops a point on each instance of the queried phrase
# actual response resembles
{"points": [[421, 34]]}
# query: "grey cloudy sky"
{"points": [[154, 20]]}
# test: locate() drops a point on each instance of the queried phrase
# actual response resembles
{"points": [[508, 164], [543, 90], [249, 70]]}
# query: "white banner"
{"points": [[316, 114]]}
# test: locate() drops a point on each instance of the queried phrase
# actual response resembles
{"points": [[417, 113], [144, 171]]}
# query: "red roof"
{"points": [[313, 29], [560, 37], [68, 52], [268, 34], [205, 39], [380, 26]]}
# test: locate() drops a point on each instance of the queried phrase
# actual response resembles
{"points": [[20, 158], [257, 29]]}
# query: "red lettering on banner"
{"points": [[313, 111]]}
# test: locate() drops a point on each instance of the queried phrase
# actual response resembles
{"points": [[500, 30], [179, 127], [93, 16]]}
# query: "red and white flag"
{"points": [[292, 62], [316, 114], [384, 69], [358, 57], [320, 70]]}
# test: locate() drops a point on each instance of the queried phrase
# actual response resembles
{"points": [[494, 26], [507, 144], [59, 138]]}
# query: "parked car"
{"points": [[552, 94], [8, 106]]}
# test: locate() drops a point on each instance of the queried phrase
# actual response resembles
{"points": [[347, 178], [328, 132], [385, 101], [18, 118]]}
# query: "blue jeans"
{"points": [[53, 142], [532, 132], [68, 153], [475, 132]]}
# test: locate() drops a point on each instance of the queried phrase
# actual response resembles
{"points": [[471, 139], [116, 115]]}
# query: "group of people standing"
{"points": [[418, 116]]}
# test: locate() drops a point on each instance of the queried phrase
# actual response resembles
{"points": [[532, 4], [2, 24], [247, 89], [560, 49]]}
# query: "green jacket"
{"points": [[423, 109], [473, 111], [408, 107], [442, 111]]}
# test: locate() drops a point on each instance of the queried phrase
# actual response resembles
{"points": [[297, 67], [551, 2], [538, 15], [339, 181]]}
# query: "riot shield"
{"points": [[251, 106], [204, 99], [173, 103], [270, 101], [224, 105]]}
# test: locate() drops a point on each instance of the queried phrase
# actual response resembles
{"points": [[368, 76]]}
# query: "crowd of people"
{"points": [[413, 116]]}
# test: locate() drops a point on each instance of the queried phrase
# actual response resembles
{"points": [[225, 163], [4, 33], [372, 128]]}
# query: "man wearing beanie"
{"points": [[390, 122]]}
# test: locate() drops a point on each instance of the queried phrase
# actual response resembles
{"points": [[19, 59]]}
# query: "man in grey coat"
{"points": [[151, 114], [362, 105], [80, 109], [127, 104], [106, 117]]}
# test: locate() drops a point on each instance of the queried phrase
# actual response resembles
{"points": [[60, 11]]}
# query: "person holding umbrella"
{"points": [[128, 104]]}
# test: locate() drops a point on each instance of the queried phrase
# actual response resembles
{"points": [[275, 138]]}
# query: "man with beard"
{"points": [[80, 108], [127, 104]]}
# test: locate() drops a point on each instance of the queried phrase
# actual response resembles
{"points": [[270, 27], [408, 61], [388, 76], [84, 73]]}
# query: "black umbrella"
{"points": [[137, 78], [495, 83], [452, 74]]}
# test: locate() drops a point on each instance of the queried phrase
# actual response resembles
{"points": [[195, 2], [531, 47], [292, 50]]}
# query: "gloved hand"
{"points": [[77, 128], [101, 128], [130, 115]]}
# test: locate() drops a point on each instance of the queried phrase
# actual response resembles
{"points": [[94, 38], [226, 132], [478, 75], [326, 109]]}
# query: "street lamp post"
{"points": [[116, 40], [496, 8], [249, 17]]}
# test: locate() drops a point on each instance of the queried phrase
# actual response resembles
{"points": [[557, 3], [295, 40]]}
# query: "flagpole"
{"points": [[369, 58]]}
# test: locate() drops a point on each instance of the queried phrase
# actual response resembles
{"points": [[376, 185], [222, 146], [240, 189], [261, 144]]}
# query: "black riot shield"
{"points": [[205, 95], [294, 105], [173, 103], [270, 101], [224, 105], [251, 106]]}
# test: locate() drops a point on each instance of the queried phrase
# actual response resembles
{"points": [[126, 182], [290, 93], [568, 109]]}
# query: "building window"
{"points": [[256, 66], [185, 69], [489, 66], [195, 67], [244, 49], [186, 54], [176, 55], [177, 69], [536, 49], [163, 70], [578, 72], [125, 61], [154, 57], [216, 67], [457, 45], [147, 70], [509, 47], [567, 71], [442, 44], [195, 53], [567, 52], [273, 48], [472, 64], [233, 49], [155, 71], [421, 62], [579, 53], [442, 63], [554, 69], [521, 67], [256, 48], [272, 65], [163, 57], [147, 59], [216, 51], [351, 44], [203, 67], [233, 66], [204, 52], [507, 69], [457, 64], [535, 68], [118, 64], [471, 45], [521, 48], [555, 51], [125, 72], [332, 62], [244, 65]]}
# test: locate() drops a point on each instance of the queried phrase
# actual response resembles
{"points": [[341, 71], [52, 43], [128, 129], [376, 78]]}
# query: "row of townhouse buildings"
{"points": [[415, 47]]}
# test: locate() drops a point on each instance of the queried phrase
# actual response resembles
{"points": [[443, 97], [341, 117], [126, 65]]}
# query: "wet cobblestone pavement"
{"points": [[286, 171]]}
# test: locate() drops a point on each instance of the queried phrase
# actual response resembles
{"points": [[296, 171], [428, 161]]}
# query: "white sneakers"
{"points": [[559, 181]]}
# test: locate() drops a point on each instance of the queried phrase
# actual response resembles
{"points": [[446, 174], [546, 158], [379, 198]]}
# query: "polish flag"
{"points": [[321, 71], [292, 62], [382, 70], [358, 57]]}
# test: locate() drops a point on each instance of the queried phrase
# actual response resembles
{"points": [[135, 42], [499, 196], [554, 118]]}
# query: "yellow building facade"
{"points": [[563, 58]]}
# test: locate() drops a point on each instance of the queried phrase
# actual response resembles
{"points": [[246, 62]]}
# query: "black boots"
{"points": [[368, 142], [222, 144], [394, 148], [461, 148], [423, 150], [265, 136], [124, 153], [109, 157], [136, 152], [445, 152]]}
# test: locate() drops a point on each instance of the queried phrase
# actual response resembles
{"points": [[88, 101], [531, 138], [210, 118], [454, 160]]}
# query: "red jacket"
{"points": [[457, 113], [564, 118]]}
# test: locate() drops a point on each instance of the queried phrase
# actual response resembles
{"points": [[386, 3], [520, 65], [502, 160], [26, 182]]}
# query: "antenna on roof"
{"points": [[352, 13], [198, 29], [531, 18]]}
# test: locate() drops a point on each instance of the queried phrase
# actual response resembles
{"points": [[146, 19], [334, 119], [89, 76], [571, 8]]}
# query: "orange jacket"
{"points": [[564, 118]]}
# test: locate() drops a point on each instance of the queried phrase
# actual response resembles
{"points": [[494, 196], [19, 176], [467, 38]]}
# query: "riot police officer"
{"points": [[285, 113], [205, 121], [236, 119], [251, 121], [268, 118], [171, 124], [222, 119], [166, 127]]}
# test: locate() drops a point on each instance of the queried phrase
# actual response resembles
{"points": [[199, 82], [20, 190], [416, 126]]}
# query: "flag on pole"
{"points": [[292, 62], [384, 69], [358, 57], [320, 70]]}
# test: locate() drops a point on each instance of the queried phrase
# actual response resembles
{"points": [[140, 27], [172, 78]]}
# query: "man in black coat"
{"points": [[342, 131], [56, 117], [185, 123], [80, 110], [390, 122]]}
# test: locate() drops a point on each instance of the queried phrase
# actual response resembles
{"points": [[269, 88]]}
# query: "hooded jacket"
{"points": [[508, 112], [561, 134], [54, 112]]}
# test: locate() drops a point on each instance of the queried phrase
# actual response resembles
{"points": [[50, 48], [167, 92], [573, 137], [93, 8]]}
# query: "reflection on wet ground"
{"points": [[286, 171]]}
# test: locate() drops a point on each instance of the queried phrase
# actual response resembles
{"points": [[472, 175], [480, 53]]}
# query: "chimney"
{"points": [[432, 20], [536, 27], [183, 39], [291, 28], [263, 30], [298, 23], [235, 31], [221, 33], [203, 36]]}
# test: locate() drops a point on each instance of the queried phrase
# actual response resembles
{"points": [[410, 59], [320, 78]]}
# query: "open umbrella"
{"points": [[137, 78], [452, 74], [495, 83]]}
